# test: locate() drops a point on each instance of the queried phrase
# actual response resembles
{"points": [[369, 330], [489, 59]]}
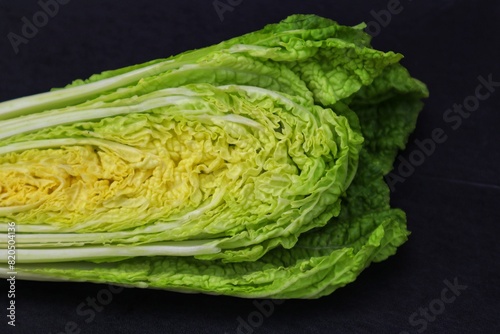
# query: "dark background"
{"points": [[452, 199]]}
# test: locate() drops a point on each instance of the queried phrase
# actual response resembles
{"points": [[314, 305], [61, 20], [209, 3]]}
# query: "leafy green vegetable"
{"points": [[251, 168]]}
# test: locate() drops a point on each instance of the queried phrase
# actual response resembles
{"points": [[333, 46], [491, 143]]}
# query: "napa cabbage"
{"points": [[251, 168]]}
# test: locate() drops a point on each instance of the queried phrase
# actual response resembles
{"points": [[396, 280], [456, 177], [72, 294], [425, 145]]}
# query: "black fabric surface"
{"points": [[452, 198]]}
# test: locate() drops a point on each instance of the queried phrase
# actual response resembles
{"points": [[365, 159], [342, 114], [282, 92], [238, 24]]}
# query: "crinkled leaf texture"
{"points": [[251, 168]]}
